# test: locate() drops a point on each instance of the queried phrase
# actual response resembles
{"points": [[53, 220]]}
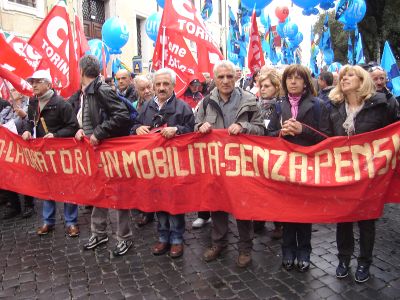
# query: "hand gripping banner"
{"points": [[252, 177]]}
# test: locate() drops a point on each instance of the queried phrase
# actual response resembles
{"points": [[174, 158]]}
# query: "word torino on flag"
{"points": [[255, 54], [182, 24], [55, 42]]}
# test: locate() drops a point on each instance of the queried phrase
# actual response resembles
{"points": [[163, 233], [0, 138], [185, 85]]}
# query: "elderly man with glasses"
{"points": [[49, 116]]}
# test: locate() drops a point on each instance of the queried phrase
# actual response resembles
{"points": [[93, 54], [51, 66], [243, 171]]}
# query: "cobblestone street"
{"points": [[56, 267]]}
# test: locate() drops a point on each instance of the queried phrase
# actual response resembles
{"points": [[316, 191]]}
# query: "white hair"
{"points": [[143, 78], [223, 64], [168, 71]]}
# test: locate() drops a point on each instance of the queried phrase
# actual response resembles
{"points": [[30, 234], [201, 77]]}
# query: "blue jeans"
{"points": [[170, 227], [49, 213]]}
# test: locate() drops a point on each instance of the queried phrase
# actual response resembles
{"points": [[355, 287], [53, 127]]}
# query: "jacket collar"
{"points": [[94, 85]]}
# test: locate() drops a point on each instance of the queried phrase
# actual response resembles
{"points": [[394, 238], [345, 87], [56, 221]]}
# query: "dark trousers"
{"points": [[13, 200], [219, 232], [205, 215], [345, 241], [296, 241]]}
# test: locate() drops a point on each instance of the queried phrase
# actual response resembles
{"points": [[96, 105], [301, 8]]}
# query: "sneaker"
{"points": [[200, 222], [95, 241], [342, 270], [122, 247], [362, 274]]}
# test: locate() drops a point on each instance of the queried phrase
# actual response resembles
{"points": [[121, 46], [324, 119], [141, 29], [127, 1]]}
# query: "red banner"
{"points": [[183, 24], [252, 177], [255, 54]]}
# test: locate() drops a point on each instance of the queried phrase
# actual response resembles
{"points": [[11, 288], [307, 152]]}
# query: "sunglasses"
{"points": [[374, 68]]}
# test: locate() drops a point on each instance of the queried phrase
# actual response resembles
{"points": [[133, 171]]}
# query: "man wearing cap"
{"points": [[49, 116], [192, 95]]}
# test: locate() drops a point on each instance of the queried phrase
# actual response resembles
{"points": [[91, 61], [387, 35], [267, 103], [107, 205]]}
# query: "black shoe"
{"points": [[28, 212], [95, 241], [362, 274], [10, 213], [122, 247], [342, 270], [303, 266], [288, 264]]}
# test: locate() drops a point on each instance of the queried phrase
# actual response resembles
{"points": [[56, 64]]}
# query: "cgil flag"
{"points": [[389, 64], [172, 49], [54, 40], [255, 56]]}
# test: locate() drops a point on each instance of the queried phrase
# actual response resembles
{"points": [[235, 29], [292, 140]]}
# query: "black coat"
{"points": [[176, 112], [130, 94], [377, 112], [324, 96], [312, 112], [108, 114], [75, 101], [58, 116]]}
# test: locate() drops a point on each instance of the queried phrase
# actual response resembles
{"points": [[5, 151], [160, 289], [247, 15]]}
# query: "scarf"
{"points": [[294, 103], [45, 98], [348, 124]]}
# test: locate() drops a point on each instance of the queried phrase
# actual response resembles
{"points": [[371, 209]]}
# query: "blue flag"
{"points": [[313, 55], [360, 59], [207, 9], [325, 44], [341, 8], [235, 44], [389, 64], [350, 51]]}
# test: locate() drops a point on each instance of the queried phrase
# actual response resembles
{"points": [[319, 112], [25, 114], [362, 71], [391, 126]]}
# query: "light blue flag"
{"points": [[350, 51], [360, 59], [388, 63], [325, 43], [207, 9]]}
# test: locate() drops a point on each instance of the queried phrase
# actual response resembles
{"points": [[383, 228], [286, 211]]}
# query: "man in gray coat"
{"points": [[236, 110]]}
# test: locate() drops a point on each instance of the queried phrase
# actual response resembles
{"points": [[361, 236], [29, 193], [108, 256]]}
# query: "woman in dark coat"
{"points": [[292, 118], [357, 108]]}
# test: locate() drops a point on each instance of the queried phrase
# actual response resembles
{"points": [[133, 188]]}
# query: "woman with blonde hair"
{"points": [[357, 108], [298, 116], [269, 90]]}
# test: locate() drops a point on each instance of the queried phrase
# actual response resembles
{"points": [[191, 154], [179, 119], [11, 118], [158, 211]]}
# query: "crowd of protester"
{"points": [[289, 104]]}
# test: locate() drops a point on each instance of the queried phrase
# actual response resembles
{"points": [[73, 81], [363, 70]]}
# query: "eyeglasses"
{"points": [[36, 81], [374, 68]]}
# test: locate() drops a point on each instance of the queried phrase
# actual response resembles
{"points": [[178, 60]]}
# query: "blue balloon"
{"points": [[161, 3], [258, 3], [335, 67], [264, 18], [308, 5], [354, 14], [95, 49], [329, 56], [290, 30], [115, 33], [297, 39], [327, 4], [152, 25]]}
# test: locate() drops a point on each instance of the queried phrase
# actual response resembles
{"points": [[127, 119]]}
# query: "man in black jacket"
{"points": [[125, 85], [49, 116], [173, 116], [102, 115]]}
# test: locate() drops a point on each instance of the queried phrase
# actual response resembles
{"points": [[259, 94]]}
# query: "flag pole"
{"points": [[163, 47]]}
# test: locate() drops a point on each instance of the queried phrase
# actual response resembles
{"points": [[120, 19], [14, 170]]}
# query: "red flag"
{"points": [[4, 93], [23, 49], [183, 24], [81, 40], [18, 83], [54, 41], [103, 61], [255, 56], [14, 68]]}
